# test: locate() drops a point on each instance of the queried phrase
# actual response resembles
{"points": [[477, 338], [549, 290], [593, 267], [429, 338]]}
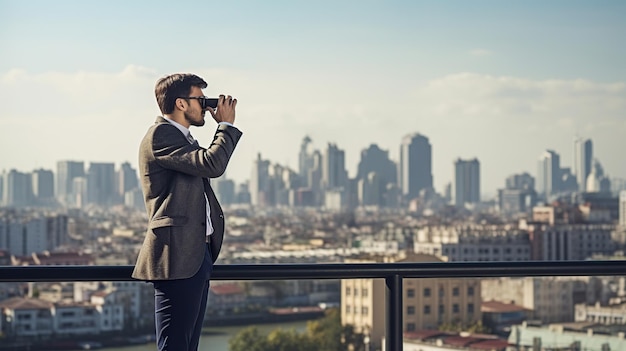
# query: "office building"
{"points": [[18, 190], [66, 172], [549, 174], [260, 182], [101, 184], [583, 157], [334, 174], [306, 160], [622, 208], [415, 165], [43, 185], [466, 182], [126, 179], [376, 160]]}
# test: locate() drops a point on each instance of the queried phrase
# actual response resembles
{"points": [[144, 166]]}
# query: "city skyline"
{"points": [[497, 82], [549, 174]]}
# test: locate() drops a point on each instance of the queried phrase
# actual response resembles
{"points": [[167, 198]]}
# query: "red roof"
{"points": [[23, 303], [425, 334], [460, 340]]}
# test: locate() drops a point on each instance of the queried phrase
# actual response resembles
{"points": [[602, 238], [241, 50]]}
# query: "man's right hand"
{"points": [[225, 109]]}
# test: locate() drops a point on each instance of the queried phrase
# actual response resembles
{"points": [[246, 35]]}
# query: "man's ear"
{"points": [[180, 104]]}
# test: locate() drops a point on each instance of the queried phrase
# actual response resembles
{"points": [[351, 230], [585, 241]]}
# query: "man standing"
{"points": [[186, 223]]}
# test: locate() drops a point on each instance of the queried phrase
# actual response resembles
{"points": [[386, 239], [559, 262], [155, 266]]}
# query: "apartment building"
{"points": [[612, 314], [428, 303], [550, 298], [474, 242], [36, 318]]}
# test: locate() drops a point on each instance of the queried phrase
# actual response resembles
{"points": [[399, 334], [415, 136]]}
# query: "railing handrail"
{"points": [[332, 271], [393, 273]]}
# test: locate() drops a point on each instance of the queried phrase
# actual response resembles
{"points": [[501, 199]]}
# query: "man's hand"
{"points": [[225, 109]]}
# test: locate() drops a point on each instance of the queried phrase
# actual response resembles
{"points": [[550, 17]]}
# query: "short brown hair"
{"points": [[174, 86]]}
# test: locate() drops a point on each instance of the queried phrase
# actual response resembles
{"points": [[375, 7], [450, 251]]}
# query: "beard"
{"points": [[193, 121]]}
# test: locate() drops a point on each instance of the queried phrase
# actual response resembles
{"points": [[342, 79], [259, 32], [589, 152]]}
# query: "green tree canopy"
{"points": [[325, 334]]}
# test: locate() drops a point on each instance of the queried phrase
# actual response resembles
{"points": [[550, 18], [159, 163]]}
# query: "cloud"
{"points": [[544, 102], [505, 121]]}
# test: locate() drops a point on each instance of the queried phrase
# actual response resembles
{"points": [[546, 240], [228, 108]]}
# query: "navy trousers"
{"points": [[179, 307]]}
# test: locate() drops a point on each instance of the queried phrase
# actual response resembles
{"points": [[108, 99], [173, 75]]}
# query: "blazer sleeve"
{"points": [[171, 150]]}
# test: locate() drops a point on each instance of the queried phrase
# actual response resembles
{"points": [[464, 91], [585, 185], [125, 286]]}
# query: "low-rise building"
{"points": [[612, 314], [435, 340], [427, 303], [27, 318], [563, 337]]}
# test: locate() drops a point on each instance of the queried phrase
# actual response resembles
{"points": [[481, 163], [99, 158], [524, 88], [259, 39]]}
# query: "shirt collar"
{"points": [[180, 127]]}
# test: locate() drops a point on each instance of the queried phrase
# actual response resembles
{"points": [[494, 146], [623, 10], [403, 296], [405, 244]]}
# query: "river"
{"points": [[216, 338]]}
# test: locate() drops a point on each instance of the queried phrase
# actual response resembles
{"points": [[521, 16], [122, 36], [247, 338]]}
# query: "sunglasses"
{"points": [[204, 101]]}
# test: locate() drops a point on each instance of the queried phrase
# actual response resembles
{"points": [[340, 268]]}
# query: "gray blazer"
{"points": [[173, 176]]}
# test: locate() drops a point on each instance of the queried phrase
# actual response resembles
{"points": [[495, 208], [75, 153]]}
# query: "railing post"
{"points": [[393, 334]]}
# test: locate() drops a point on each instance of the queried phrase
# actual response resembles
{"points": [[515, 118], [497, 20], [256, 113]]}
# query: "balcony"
{"points": [[392, 273]]}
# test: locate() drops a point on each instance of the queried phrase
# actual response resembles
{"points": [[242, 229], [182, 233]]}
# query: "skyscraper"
{"points": [[126, 179], [374, 159], [66, 172], [18, 190], [43, 184], [259, 182], [549, 174], [583, 156], [622, 208], [415, 165], [305, 161], [334, 174], [466, 182], [101, 184]]}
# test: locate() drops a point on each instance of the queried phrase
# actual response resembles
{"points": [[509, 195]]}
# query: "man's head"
{"points": [[171, 93]]}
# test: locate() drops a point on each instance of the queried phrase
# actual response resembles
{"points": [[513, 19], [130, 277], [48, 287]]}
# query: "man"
{"points": [[186, 223]]}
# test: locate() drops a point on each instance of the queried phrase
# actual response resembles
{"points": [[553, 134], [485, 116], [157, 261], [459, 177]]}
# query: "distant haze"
{"points": [[499, 82]]}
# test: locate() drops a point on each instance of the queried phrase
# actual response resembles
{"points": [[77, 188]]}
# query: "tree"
{"points": [[248, 339], [325, 334], [289, 340]]}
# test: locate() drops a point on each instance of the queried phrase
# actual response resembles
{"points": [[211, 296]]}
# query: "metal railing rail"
{"points": [[393, 273]]}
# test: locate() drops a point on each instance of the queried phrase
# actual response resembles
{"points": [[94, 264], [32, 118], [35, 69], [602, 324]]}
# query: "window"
{"points": [[364, 310], [455, 291], [441, 309], [410, 293], [348, 308], [426, 309], [364, 292], [455, 308], [410, 327], [426, 292], [356, 292], [348, 291], [441, 291], [470, 291], [410, 310], [470, 308]]}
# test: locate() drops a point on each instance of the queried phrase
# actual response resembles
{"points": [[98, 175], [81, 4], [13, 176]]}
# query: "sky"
{"points": [[500, 81]]}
